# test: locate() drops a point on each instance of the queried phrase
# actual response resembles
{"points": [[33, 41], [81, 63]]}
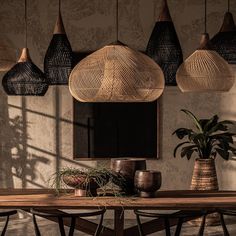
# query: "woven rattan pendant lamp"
{"points": [[116, 73], [59, 57], [25, 78], [164, 47], [205, 70], [224, 42]]}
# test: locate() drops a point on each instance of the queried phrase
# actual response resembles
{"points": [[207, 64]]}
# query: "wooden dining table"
{"points": [[165, 200]]}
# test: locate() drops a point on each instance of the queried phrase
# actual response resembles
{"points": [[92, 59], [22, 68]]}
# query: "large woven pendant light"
{"points": [[59, 57], [116, 73], [205, 70], [7, 58], [164, 47], [224, 42], [25, 78]]}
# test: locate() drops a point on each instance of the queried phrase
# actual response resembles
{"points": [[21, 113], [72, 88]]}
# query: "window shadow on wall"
{"points": [[23, 154], [16, 160]]}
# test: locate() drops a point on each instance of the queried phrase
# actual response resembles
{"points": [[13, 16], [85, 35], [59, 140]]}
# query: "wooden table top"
{"points": [[182, 200]]}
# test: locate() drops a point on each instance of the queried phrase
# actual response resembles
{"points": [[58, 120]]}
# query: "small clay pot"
{"points": [[127, 168], [147, 182], [83, 187]]}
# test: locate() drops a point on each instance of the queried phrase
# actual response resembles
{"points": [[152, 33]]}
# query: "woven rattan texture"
{"points": [[164, 48], [58, 60], [25, 78], [116, 73], [205, 70], [225, 44]]}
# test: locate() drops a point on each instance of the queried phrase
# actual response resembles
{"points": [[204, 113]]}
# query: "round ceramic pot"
{"points": [[147, 182], [127, 168], [83, 186]]}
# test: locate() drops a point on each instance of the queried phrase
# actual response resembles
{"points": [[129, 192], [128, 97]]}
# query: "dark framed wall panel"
{"points": [[106, 130]]}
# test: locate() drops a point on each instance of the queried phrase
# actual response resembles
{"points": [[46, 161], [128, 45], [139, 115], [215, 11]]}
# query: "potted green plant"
{"points": [[210, 138]]}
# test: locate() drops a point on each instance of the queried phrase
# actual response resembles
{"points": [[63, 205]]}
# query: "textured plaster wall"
{"points": [[36, 132]]}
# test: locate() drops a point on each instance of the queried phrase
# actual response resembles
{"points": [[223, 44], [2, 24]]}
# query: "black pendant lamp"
{"points": [[164, 47], [224, 42], [58, 60], [25, 78]]}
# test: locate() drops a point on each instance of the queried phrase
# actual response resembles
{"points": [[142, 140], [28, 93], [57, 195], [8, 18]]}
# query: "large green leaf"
{"points": [[223, 145], [188, 151], [182, 132], [196, 121], [211, 123], [225, 137], [203, 123], [223, 153], [217, 127], [232, 149], [226, 122], [178, 146]]}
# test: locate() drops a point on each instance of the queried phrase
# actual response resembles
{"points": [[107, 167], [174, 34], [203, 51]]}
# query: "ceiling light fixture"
{"points": [[116, 73], [25, 78], [205, 70]]}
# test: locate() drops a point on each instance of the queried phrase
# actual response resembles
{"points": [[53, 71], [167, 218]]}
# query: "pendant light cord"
{"points": [[228, 5], [205, 17], [59, 6], [117, 20], [26, 27]]}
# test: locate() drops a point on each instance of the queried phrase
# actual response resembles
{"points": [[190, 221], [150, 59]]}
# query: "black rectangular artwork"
{"points": [[104, 130]]}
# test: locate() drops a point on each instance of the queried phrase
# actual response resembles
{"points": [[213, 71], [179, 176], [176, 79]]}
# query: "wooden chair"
{"points": [[180, 216], [60, 216], [6, 214], [223, 212]]}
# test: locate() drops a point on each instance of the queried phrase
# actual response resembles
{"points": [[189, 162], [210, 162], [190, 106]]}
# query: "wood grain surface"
{"points": [[181, 200]]}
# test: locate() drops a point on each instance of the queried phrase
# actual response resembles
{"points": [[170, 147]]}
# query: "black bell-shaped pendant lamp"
{"points": [[164, 47], [224, 42], [58, 60], [25, 78]]}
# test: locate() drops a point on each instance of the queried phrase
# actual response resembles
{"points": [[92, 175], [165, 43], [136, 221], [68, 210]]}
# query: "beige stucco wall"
{"points": [[36, 132]]}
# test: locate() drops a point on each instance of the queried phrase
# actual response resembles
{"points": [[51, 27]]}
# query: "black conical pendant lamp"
{"points": [[224, 42], [58, 60], [25, 78], [164, 47]]}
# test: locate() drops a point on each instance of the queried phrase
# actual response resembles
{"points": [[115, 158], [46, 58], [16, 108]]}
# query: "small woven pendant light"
{"points": [[164, 47], [116, 73], [25, 78], [205, 70], [58, 60], [224, 42]]}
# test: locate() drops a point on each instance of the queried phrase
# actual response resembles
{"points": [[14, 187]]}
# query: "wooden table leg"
{"points": [[119, 222]]}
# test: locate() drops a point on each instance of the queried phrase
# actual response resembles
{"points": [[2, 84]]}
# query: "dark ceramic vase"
{"points": [[127, 167], [147, 182]]}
